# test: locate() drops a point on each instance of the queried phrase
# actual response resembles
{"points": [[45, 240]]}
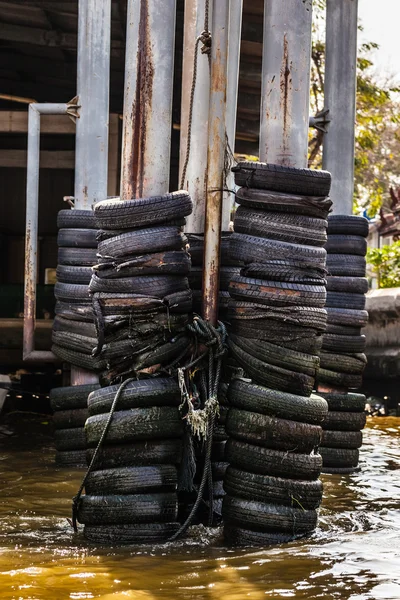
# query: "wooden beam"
{"points": [[49, 159], [16, 121]]}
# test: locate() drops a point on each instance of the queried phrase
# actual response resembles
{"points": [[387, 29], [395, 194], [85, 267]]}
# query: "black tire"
{"points": [[342, 439], [291, 180], [141, 212], [69, 419], [69, 292], [76, 327], [345, 363], [280, 226], [346, 244], [79, 359], [77, 238], [272, 432], [82, 312], [157, 286], [249, 248], [344, 421], [139, 533], [346, 265], [344, 300], [147, 453], [339, 457], [341, 471], [285, 270], [129, 305], [143, 241], [80, 219], [349, 344], [248, 396], [144, 393], [218, 470], [268, 517], [299, 339], [238, 536], [278, 356], [70, 439], [176, 262], [75, 343], [311, 206], [71, 397], [129, 508], [272, 376], [79, 257], [300, 316], [257, 459], [71, 459], [347, 317], [339, 380], [273, 490], [348, 225], [132, 480], [67, 274], [343, 330], [349, 402], [277, 293], [136, 424], [352, 285]]}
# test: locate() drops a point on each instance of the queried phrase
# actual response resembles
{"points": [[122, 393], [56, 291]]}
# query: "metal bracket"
{"points": [[73, 109], [320, 121]]}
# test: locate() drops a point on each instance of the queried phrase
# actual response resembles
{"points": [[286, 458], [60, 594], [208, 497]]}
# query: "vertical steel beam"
{"points": [[285, 93], [340, 98], [216, 158], [149, 72], [196, 173], [234, 36]]}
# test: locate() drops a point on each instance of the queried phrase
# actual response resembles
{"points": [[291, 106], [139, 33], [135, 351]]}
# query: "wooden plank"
{"points": [[16, 121], [49, 159]]}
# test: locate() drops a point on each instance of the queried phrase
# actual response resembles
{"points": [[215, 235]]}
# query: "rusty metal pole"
{"points": [[340, 98], [285, 93], [93, 90], [196, 172], [149, 73], [216, 158]]}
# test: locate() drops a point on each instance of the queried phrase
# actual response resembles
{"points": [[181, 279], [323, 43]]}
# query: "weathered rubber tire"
{"points": [[268, 517], [136, 424], [249, 248], [346, 265], [311, 206], [71, 459], [238, 536], [334, 378], [346, 244], [343, 330], [79, 257], [71, 397], [344, 300], [265, 317], [69, 292], [342, 439], [77, 219], [277, 293], [141, 212], [132, 480], [341, 471], [69, 419], [157, 286], [347, 225], [76, 327], [344, 421], [161, 391], [82, 312], [78, 359], [349, 344], [143, 241], [139, 533], [273, 490], [349, 402], [77, 238], [149, 452], [129, 508], [67, 274], [218, 470], [285, 270], [344, 363], [347, 317], [290, 180], [280, 226], [256, 398], [176, 262], [75, 343], [70, 439], [339, 457], [272, 432], [288, 336], [257, 459], [351, 285]]}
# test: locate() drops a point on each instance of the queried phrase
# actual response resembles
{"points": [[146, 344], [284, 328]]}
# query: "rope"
{"points": [[76, 499]]}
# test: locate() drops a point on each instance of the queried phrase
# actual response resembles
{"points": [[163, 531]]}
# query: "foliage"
{"points": [[385, 262]]}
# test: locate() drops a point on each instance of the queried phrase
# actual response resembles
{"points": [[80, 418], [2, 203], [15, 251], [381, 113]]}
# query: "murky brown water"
{"points": [[354, 555]]}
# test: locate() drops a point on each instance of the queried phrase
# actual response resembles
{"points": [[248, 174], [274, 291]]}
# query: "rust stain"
{"points": [[285, 87]]}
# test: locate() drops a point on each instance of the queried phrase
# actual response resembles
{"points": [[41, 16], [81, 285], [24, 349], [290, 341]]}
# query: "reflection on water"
{"points": [[354, 555]]}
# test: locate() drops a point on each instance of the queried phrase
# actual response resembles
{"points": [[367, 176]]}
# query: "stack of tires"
{"points": [[276, 320], [74, 333], [131, 492], [69, 405], [342, 356], [139, 288]]}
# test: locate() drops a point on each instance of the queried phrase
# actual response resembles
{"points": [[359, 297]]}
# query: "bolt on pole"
{"points": [[216, 158], [285, 94], [147, 120], [340, 98]]}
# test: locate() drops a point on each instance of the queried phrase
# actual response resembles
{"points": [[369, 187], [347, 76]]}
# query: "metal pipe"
{"points": [[93, 79], [196, 172], [31, 228], [146, 143], [216, 159], [234, 36], [340, 98], [285, 90]]}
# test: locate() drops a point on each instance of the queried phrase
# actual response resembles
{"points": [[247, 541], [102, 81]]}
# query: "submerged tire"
{"points": [[139, 533], [129, 508], [239, 536]]}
